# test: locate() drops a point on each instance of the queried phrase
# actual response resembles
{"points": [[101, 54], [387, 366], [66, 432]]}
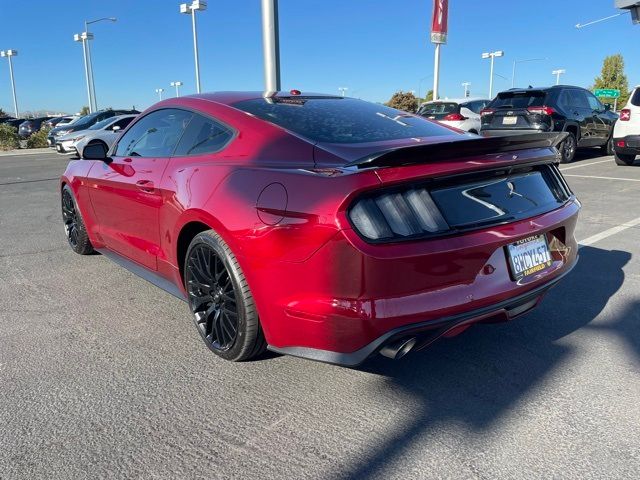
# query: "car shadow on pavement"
{"points": [[588, 154], [480, 376]]}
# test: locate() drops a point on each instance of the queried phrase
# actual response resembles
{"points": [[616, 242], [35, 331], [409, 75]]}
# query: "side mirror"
{"points": [[115, 128], [607, 107], [95, 151]]}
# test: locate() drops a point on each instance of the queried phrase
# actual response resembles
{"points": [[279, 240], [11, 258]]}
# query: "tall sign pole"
{"points": [[438, 37]]}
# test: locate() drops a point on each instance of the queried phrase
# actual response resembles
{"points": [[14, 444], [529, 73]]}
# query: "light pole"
{"points": [[89, 62], [177, 85], [9, 54], [271, 46], [84, 37], [343, 90], [191, 10], [159, 92], [515, 62], [557, 73], [466, 86], [492, 55]]}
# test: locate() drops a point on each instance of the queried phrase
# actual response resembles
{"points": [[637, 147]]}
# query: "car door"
{"points": [[584, 115], [125, 194], [602, 122]]}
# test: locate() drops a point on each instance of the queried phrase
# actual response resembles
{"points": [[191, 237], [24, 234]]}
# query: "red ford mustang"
{"points": [[324, 227]]}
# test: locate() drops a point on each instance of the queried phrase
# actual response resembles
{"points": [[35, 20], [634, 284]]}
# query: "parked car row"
{"points": [[560, 108], [27, 126], [64, 137]]}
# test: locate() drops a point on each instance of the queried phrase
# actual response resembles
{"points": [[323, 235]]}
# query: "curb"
{"points": [[24, 151]]}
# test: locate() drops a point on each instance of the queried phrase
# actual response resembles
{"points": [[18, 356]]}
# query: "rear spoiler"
{"points": [[458, 149]]}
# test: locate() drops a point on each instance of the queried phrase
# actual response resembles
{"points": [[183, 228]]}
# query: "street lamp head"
{"points": [[158, 90], [8, 53], [195, 5], [486, 55], [499, 53], [113, 19], [176, 84], [559, 71], [198, 5]]}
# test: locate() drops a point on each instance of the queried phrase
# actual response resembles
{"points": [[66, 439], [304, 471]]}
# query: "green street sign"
{"points": [[607, 92]]}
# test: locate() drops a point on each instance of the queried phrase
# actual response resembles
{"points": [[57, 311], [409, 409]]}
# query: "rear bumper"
{"points": [[631, 145], [506, 133], [430, 331], [350, 298]]}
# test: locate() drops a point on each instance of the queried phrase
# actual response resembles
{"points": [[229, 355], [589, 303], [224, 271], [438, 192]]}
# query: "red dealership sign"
{"points": [[439, 21]]}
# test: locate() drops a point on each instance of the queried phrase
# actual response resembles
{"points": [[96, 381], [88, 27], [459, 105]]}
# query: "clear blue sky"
{"points": [[373, 47]]}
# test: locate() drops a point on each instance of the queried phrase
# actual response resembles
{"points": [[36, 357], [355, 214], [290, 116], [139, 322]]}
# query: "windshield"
{"points": [[518, 99], [340, 120], [102, 124]]}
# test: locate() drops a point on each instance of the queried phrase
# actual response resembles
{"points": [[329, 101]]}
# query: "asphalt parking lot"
{"points": [[103, 375]]}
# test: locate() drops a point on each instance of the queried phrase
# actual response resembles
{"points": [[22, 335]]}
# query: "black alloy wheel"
{"points": [[70, 219], [73, 224], [568, 149], [212, 298], [220, 299]]}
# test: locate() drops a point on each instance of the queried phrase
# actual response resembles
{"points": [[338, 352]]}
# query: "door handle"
{"points": [[145, 185]]}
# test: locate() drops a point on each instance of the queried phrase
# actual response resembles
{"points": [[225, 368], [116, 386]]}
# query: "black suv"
{"points": [[85, 122], [561, 108]]}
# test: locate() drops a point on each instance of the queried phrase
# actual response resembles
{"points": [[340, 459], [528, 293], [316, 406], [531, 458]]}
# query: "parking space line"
{"points": [[584, 165], [605, 178], [611, 231]]}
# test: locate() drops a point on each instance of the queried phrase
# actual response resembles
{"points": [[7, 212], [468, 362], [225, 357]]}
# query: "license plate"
{"points": [[529, 256], [509, 120]]}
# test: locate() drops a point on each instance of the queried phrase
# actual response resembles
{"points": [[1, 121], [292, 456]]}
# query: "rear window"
{"points": [[518, 99], [635, 98], [440, 108], [340, 120]]}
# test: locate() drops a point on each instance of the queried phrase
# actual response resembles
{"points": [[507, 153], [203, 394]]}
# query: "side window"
{"points": [[579, 99], [564, 99], [594, 103], [122, 123], [203, 135], [154, 135], [635, 99]]}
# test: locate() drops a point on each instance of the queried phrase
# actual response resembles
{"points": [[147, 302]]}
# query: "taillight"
{"points": [[454, 117], [397, 215], [486, 111], [620, 144], [544, 110], [625, 115]]}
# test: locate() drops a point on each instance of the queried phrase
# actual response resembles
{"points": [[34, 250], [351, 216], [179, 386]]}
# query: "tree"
{"points": [[84, 110], [612, 76], [406, 101]]}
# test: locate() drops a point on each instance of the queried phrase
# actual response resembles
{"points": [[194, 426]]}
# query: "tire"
{"points": [[74, 228], [220, 301], [568, 149], [624, 160], [607, 148], [94, 142]]}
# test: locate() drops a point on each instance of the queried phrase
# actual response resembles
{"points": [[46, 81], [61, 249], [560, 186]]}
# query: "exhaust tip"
{"points": [[399, 348]]}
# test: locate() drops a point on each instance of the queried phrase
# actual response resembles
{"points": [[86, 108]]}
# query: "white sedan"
{"points": [[460, 113], [104, 132]]}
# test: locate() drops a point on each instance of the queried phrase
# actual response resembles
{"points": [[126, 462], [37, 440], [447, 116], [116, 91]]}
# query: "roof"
{"points": [[456, 100], [231, 97]]}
